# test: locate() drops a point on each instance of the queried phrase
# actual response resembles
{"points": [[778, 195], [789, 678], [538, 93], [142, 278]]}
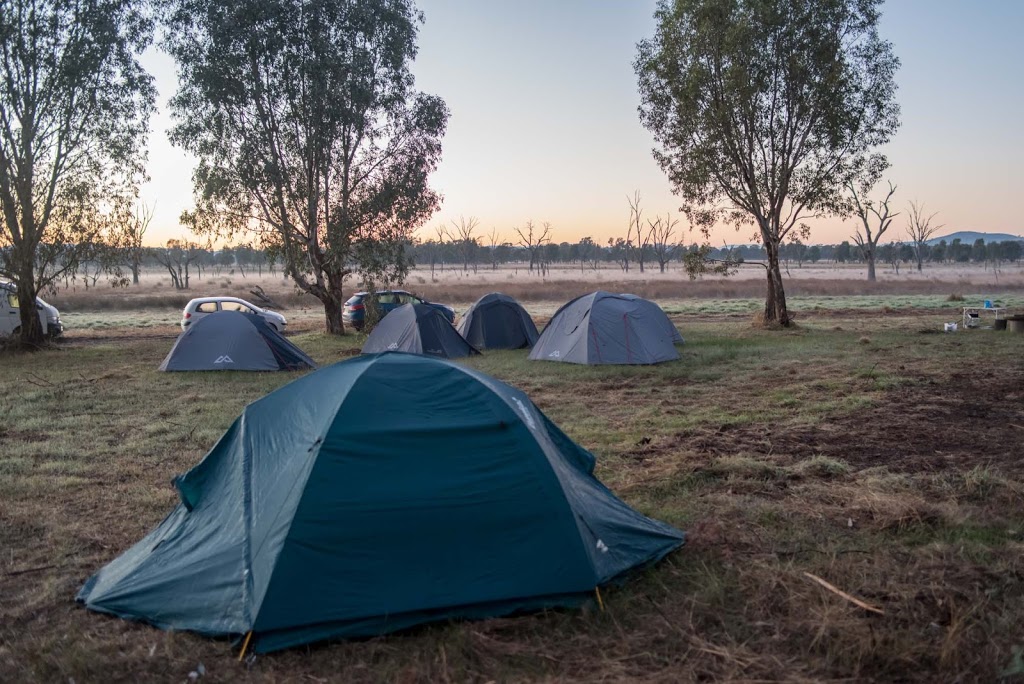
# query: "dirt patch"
{"points": [[22, 436], [970, 420]]}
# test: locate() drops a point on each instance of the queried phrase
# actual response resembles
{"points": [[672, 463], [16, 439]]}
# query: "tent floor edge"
{"points": [[269, 641]]}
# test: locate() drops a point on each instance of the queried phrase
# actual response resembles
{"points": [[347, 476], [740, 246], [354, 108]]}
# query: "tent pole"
{"points": [[245, 645]]}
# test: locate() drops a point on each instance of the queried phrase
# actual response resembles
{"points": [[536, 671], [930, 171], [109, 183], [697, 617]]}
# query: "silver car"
{"points": [[202, 306]]}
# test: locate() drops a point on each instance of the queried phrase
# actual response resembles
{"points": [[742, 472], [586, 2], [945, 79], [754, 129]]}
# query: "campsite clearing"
{"points": [[867, 449]]}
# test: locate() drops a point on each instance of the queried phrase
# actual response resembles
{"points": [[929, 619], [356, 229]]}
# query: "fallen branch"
{"points": [[34, 379], [28, 570], [839, 592], [264, 298]]}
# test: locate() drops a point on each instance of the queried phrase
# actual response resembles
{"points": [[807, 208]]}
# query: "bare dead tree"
{"points": [[493, 242], [466, 243], [135, 232], [660, 238], [178, 257], [90, 271], [441, 233], [867, 211], [638, 237], [635, 226], [533, 239], [921, 230]]}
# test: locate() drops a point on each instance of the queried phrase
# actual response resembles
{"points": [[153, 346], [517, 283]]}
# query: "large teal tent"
{"points": [[379, 493]]}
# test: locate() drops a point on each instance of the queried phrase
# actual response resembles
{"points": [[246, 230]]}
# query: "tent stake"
{"points": [[600, 603], [245, 645]]}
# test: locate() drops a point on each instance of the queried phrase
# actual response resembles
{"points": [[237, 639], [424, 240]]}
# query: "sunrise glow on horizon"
{"points": [[544, 123]]}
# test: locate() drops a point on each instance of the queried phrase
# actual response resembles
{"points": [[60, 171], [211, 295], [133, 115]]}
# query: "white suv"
{"points": [[197, 308]]}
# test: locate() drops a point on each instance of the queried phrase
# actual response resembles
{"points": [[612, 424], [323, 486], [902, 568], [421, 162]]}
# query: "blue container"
{"points": [[988, 303]]}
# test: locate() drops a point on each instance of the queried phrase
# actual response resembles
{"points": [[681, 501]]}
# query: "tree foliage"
{"points": [[308, 132], [762, 109], [74, 114]]}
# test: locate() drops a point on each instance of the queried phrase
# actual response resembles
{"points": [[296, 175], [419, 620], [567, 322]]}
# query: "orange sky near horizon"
{"points": [[544, 126]]}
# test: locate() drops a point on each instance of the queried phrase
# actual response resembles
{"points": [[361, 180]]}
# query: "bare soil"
{"points": [[969, 419]]}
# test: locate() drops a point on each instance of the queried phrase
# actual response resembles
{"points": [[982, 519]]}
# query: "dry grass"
{"points": [[889, 469]]}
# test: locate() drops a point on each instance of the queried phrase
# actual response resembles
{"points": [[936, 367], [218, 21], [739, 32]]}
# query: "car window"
{"points": [[207, 307], [235, 306], [387, 298], [403, 298], [12, 299], [413, 299]]}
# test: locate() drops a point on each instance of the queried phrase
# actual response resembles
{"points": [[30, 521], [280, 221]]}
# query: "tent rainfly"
{"points": [[497, 321], [231, 340], [605, 328], [418, 329], [379, 493]]}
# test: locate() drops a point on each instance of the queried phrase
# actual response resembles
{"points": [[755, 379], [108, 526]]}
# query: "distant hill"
{"points": [[968, 237]]}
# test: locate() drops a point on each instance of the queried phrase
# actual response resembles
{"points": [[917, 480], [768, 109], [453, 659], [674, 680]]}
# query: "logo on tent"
{"points": [[393, 345], [526, 413], [602, 547], [224, 359], [555, 354]]}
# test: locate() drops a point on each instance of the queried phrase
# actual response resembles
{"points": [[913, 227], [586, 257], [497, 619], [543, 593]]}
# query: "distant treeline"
{"points": [[587, 254], [183, 261]]}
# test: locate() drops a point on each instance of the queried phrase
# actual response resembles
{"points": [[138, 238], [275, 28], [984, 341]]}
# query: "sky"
{"points": [[544, 123]]}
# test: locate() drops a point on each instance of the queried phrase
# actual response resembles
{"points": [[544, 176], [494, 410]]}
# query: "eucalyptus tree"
{"points": [[308, 131], [74, 114], [762, 109]]}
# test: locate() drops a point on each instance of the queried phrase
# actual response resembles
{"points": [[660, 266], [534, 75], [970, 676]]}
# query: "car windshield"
{"points": [[354, 299]]}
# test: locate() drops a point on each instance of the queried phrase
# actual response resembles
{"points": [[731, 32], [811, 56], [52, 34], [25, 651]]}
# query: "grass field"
{"points": [[864, 447]]}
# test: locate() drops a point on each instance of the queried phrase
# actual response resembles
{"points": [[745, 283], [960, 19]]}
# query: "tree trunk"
{"points": [[31, 326], [871, 266], [775, 312], [333, 300], [135, 273], [332, 314]]}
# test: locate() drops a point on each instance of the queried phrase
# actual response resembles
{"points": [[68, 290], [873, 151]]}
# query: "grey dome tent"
{"points": [[605, 328], [418, 329], [231, 340], [497, 321], [379, 493]]}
